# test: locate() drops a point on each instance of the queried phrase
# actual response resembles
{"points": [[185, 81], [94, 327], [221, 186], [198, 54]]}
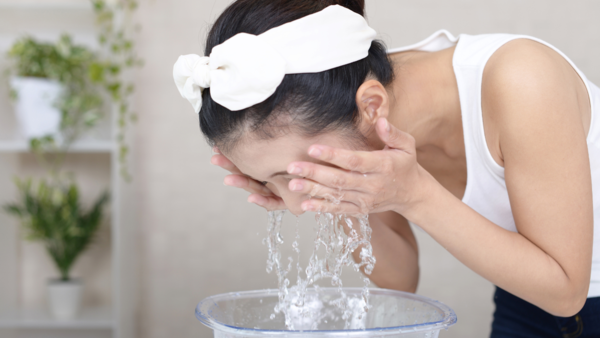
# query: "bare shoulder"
{"points": [[523, 51], [523, 67], [527, 83]]}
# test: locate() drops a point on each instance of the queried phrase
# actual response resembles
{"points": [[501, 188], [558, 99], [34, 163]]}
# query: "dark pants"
{"points": [[516, 318]]}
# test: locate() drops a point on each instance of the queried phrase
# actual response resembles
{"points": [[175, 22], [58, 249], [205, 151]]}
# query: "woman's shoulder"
{"points": [[523, 53], [524, 66], [526, 83], [523, 63]]}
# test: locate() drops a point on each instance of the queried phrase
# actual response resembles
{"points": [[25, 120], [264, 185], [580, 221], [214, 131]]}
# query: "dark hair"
{"points": [[311, 103]]}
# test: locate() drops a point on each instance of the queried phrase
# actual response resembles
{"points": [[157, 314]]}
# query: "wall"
{"points": [[200, 237]]}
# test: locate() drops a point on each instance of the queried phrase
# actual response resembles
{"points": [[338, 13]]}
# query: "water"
{"points": [[336, 238], [305, 309]]}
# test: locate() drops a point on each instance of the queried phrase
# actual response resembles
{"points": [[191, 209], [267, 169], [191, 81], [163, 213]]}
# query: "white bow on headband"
{"points": [[246, 69]]}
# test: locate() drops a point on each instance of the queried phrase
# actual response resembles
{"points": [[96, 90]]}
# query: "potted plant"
{"points": [[61, 89], [55, 88], [78, 85], [51, 212]]}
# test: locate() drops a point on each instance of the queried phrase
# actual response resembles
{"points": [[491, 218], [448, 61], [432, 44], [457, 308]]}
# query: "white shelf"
{"points": [[84, 146], [91, 318], [45, 4], [46, 20]]}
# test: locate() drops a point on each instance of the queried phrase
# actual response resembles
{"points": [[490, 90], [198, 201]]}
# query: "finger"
{"points": [[334, 208], [216, 150], [314, 189], [224, 163], [248, 184], [394, 137], [324, 175], [270, 203], [360, 161]]}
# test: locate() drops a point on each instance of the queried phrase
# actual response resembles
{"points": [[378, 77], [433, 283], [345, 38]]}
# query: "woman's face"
{"points": [[267, 161]]}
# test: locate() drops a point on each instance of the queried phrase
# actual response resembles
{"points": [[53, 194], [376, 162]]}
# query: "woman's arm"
{"points": [[534, 98], [539, 111], [395, 249]]}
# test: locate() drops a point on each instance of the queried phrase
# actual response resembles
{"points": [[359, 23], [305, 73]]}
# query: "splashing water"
{"points": [[337, 237]]}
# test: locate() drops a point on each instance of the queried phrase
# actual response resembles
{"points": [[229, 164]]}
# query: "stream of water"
{"points": [[336, 238]]}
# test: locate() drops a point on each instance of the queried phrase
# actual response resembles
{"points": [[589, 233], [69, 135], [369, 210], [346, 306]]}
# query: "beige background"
{"points": [[198, 237]]}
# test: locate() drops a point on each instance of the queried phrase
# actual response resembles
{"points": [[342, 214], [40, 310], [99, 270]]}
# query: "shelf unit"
{"points": [[90, 318], [108, 268], [46, 4], [86, 146]]}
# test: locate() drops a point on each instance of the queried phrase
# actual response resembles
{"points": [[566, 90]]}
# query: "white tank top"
{"points": [[486, 189]]}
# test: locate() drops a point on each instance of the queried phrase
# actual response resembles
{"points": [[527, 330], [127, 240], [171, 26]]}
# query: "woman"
{"points": [[489, 143]]}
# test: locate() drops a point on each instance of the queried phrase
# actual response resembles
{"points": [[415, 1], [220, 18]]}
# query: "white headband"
{"points": [[246, 69]]}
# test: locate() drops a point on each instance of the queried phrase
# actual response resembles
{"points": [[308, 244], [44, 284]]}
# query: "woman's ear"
{"points": [[372, 101]]}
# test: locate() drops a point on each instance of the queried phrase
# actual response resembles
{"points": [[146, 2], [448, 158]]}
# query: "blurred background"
{"points": [[172, 233]]}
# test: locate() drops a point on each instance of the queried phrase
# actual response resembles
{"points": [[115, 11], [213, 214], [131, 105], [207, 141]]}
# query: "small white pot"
{"points": [[34, 105], [64, 298]]}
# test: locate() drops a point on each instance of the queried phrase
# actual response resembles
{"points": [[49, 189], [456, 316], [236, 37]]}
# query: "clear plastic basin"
{"points": [[393, 314]]}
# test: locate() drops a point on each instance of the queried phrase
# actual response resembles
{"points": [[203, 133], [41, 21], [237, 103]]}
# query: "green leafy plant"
{"points": [[93, 81], [81, 103], [115, 29], [51, 212]]}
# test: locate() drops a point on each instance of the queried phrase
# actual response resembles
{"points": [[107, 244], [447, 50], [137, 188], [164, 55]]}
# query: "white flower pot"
{"points": [[34, 105], [64, 298]]}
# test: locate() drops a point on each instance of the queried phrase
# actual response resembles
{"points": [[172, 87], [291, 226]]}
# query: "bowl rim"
{"points": [[203, 315]]}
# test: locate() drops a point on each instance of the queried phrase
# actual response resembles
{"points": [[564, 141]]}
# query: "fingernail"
{"points": [[308, 207], [249, 201], [315, 152], [295, 170], [297, 187]]}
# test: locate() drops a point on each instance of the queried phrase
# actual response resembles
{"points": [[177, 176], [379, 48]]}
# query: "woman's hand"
{"points": [[259, 193], [364, 182]]}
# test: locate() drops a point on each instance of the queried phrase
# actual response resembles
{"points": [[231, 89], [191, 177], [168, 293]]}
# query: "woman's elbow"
{"points": [[407, 282], [570, 303]]}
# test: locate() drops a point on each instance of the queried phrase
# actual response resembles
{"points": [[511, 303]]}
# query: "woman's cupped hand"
{"points": [[259, 193], [362, 182], [346, 181]]}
